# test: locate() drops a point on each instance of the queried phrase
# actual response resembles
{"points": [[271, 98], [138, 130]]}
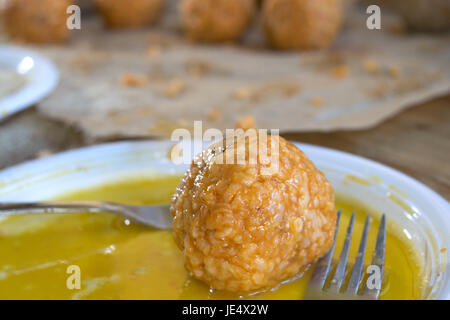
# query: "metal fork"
{"points": [[318, 287], [154, 216]]}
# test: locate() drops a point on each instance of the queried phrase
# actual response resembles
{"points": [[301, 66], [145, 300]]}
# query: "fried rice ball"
{"points": [[216, 20], [130, 13], [301, 24], [246, 227], [41, 21]]}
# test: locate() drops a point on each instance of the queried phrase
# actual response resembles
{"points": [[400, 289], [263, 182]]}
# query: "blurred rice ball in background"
{"points": [[301, 24], [42, 21], [130, 13], [216, 20]]}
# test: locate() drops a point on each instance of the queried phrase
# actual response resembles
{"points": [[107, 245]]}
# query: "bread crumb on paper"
{"points": [[245, 123], [153, 52], [394, 71], [215, 114], [132, 80], [174, 88], [242, 93], [317, 102], [340, 71], [371, 65]]}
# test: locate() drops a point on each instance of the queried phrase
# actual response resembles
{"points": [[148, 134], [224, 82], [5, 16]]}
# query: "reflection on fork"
{"points": [[326, 284]]}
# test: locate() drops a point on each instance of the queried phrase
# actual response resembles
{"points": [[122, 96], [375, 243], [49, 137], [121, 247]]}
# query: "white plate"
{"points": [[424, 215], [41, 77]]}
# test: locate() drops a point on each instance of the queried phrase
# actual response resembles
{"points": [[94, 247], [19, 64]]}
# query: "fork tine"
{"points": [[323, 265], [378, 258], [339, 274], [355, 278]]}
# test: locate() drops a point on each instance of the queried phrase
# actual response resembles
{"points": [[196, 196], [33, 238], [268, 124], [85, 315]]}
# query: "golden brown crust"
{"points": [[242, 230], [301, 24], [41, 21], [130, 13], [216, 20]]}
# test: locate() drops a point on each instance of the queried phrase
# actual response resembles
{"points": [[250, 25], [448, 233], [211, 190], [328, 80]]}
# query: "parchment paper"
{"points": [[364, 78]]}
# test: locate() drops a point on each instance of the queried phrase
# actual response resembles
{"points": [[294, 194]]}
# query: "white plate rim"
{"points": [[43, 77]]}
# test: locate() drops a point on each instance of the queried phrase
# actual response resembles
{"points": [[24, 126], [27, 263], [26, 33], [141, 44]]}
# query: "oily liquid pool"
{"points": [[120, 261]]}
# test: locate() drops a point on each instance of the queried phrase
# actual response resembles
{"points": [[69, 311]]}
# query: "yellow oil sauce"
{"points": [[120, 261]]}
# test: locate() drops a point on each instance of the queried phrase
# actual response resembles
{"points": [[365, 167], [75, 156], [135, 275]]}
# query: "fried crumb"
{"points": [[340, 71], [371, 65], [243, 93], [317, 102], [131, 80], [394, 71], [153, 52], [245, 123], [215, 114], [174, 88]]}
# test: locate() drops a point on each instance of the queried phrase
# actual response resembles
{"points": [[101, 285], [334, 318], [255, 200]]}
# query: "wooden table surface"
{"points": [[416, 141]]}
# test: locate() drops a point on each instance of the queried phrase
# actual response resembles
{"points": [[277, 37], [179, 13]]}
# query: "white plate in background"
{"points": [[39, 75], [423, 214]]}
